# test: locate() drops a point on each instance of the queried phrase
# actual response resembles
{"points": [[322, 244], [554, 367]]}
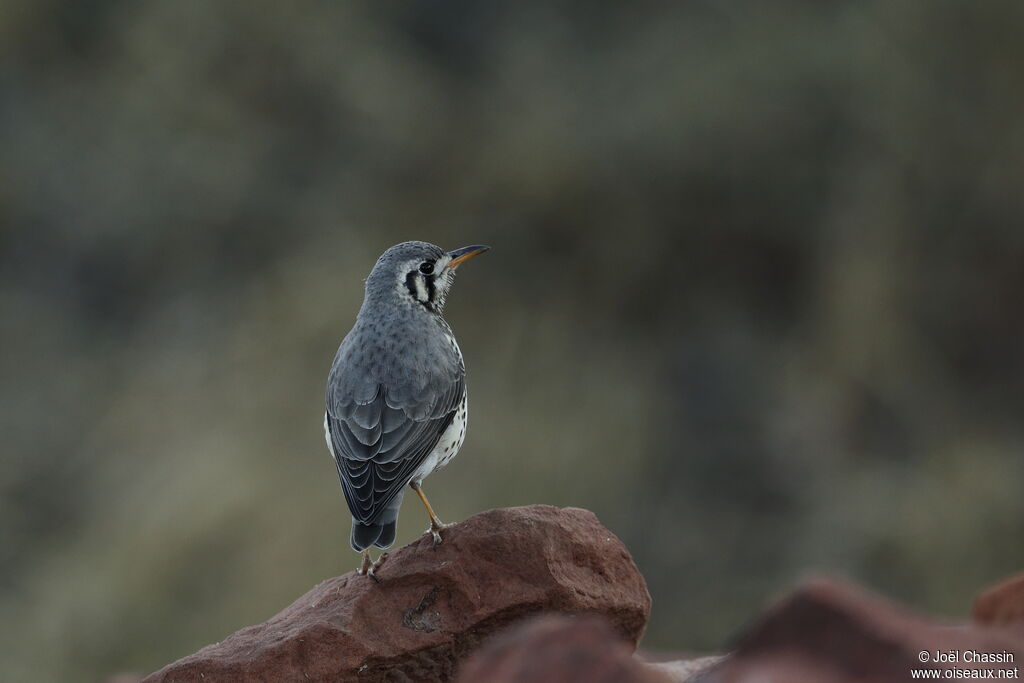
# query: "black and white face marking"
{"points": [[427, 282]]}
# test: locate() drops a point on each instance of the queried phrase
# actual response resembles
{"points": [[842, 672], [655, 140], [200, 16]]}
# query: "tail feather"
{"points": [[365, 535], [387, 535]]}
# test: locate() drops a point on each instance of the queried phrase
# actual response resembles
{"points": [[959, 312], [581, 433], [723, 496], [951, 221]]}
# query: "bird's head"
{"points": [[417, 274]]}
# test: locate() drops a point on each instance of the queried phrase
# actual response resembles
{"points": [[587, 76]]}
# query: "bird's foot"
{"points": [[370, 568], [436, 527]]}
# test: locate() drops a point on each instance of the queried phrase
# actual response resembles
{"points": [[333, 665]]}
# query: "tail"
{"points": [[364, 535]]}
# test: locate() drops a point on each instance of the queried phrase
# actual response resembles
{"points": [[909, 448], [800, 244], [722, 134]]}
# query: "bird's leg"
{"points": [[365, 566], [436, 525], [369, 568]]}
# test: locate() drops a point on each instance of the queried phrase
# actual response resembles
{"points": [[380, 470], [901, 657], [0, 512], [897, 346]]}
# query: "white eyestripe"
{"points": [[443, 277]]}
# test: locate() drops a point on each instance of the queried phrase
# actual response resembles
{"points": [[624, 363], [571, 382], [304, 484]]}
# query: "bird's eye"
{"points": [[427, 267]]}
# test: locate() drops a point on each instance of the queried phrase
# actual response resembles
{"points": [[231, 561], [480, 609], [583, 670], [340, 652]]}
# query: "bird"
{"points": [[396, 393]]}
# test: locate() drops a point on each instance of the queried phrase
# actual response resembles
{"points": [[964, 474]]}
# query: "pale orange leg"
{"points": [[436, 525], [370, 568]]}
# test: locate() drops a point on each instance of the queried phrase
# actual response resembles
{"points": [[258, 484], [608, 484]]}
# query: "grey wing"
{"points": [[378, 443]]}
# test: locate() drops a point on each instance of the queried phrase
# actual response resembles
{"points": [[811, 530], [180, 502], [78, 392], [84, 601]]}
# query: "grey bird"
{"points": [[396, 393]]}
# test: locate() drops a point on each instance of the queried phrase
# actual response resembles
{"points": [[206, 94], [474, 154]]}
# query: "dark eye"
{"points": [[427, 267]]}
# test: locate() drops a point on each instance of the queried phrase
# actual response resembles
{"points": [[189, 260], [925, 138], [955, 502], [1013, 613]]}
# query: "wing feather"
{"points": [[388, 402], [378, 448]]}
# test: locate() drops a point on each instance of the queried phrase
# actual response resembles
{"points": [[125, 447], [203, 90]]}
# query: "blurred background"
{"points": [[754, 296]]}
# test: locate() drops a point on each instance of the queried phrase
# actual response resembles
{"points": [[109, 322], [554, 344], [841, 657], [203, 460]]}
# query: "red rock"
{"points": [[831, 632], [435, 605], [557, 649], [1002, 603]]}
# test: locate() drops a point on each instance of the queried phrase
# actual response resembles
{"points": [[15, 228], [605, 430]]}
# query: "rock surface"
{"points": [[831, 632], [435, 605], [557, 649], [1002, 603], [686, 670]]}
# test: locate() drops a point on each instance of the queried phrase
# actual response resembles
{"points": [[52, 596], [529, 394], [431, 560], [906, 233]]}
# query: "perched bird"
{"points": [[396, 393]]}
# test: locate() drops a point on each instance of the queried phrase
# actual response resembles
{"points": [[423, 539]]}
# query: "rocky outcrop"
{"points": [[828, 631], [1002, 604], [434, 606], [556, 649], [492, 603]]}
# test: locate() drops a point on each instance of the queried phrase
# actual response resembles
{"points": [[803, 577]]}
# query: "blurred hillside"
{"points": [[754, 296]]}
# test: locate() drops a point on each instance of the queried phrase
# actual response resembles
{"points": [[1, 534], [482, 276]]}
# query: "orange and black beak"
{"points": [[464, 254]]}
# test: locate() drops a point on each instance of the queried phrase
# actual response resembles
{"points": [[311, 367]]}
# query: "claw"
{"points": [[435, 531], [370, 568]]}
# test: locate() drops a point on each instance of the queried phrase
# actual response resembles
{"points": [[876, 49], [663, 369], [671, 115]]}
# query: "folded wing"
{"points": [[379, 438]]}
